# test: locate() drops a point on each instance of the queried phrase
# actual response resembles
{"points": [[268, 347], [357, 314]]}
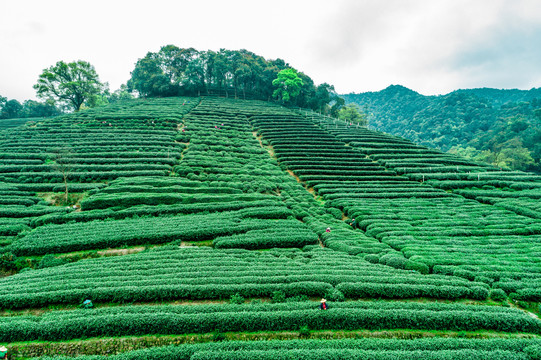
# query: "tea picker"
{"points": [[3, 353]]}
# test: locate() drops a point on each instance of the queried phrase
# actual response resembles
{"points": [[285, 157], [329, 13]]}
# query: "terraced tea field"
{"points": [[207, 228]]}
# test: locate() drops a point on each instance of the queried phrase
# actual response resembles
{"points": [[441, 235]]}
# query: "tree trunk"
{"points": [[66, 186]]}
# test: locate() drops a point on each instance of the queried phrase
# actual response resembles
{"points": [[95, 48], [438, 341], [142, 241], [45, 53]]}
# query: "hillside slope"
{"points": [[502, 127], [204, 219]]}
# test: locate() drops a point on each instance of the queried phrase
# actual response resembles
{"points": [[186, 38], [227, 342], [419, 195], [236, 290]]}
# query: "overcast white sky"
{"points": [[430, 46]]}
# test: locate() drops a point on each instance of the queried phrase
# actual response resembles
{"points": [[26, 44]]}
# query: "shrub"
{"points": [[49, 261], [498, 295], [479, 293], [523, 304], [383, 260], [236, 299], [278, 296], [417, 266], [335, 295], [397, 262], [7, 261], [464, 274], [485, 280], [534, 352], [336, 213], [304, 332], [372, 258]]}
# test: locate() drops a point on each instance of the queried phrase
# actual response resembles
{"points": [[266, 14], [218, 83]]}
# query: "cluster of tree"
{"points": [[352, 114], [502, 127], [10, 109], [64, 87], [174, 71]]}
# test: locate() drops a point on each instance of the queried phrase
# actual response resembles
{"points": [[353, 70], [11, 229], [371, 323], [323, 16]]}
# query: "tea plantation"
{"points": [[210, 228]]}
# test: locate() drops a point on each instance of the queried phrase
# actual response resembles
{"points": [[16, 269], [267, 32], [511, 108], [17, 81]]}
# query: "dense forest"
{"points": [[501, 127], [174, 71]]}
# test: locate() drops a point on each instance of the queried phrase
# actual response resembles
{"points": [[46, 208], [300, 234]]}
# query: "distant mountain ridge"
{"points": [[502, 127]]}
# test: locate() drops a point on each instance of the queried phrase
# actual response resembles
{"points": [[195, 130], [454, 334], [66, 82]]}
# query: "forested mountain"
{"points": [[502, 127]]}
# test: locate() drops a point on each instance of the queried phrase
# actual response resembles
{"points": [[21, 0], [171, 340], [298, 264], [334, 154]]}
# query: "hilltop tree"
{"points": [[351, 114], [32, 108], [69, 83], [174, 71], [10, 109], [288, 85]]}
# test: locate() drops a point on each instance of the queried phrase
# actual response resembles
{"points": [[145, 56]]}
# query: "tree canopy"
{"points": [[10, 109], [174, 71], [352, 114], [70, 84], [288, 85]]}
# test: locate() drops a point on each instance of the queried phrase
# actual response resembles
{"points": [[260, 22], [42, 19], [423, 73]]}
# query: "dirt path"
{"points": [[117, 252], [269, 148]]}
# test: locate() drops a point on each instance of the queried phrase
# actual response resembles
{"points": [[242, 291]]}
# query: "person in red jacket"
{"points": [[323, 305]]}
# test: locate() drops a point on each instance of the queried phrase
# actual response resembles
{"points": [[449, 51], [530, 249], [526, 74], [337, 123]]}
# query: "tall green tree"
{"points": [[149, 79], [69, 83], [288, 85]]}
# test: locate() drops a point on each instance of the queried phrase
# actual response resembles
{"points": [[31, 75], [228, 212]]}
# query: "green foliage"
{"points": [[334, 295], [69, 83], [417, 266], [174, 71], [8, 261], [499, 127], [288, 85], [236, 299], [372, 258], [168, 319], [405, 291], [336, 213], [295, 235], [304, 332], [10, 109], [498, 295], [353, 115], [29, 111], [434, 348], [50, 260], [226, 189], [534, 351], [278, 296], [218, 336], [136, 231]]}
